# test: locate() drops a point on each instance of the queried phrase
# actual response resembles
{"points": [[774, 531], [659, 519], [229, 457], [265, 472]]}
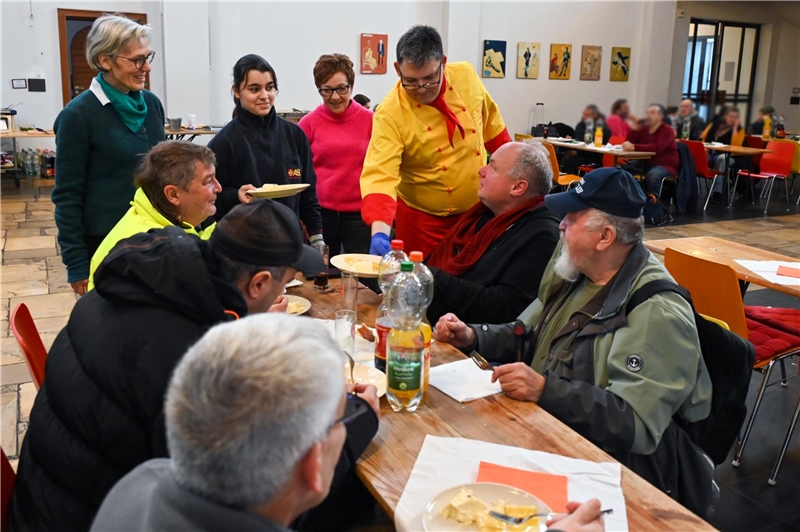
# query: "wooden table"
{"points": [[32, 134], [191, 133], [729, 151], [724, 252], [387, 463], [580, 146]]}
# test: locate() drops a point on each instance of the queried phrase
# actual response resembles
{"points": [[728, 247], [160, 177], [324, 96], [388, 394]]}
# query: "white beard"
{"points": [[565, 267]]}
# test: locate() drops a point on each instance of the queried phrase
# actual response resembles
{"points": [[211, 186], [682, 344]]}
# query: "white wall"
{"points": [[787, 75]]}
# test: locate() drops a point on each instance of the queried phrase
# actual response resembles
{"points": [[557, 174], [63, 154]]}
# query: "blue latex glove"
{"points": [[380, 244]]}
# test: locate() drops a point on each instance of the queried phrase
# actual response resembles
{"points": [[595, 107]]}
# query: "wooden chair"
{"points": [[774, 165], [701, 165], [608, 158], [704, 134], [559, 178], [7, 479], [715, 292], [27, 335]]}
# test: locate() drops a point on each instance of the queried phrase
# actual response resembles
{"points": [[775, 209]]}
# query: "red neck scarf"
{"points": [[465, 244], [449, 116]]}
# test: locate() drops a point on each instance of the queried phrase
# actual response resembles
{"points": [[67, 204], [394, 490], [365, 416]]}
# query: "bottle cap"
{"points": [[415, 256], [406, 266], [397, 244]]}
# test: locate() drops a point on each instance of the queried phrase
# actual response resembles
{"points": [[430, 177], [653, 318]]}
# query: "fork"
{"points": [[352, 366], [480, 361], [519, 520]]}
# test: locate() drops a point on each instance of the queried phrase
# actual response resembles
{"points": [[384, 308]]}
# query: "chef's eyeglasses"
{"points": [[341, 90], [420, 86], [139, 61], [353, 408]]}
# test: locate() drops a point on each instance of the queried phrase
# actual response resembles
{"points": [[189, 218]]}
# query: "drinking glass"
{"points": [[350, 292], [346, 338], [321, 279]]}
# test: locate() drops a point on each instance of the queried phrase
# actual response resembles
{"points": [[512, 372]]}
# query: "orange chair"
{"points": [[27, 336], [774, 165], [715, 292], [701, 165], [7, 479], [608, 159], [559, 178]]}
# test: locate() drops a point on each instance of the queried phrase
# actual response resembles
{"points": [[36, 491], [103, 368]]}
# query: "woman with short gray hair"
{"points": [[100, 137]]}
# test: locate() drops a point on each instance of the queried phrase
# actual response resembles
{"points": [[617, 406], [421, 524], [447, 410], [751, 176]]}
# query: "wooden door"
{"points": [[82, 73]]}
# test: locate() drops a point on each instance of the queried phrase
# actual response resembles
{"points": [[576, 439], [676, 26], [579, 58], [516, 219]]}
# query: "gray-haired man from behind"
{"points": [[256, 414]]}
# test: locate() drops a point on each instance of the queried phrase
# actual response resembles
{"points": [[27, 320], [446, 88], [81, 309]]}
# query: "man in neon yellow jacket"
{"points": [[175, 185], [429, 139]]}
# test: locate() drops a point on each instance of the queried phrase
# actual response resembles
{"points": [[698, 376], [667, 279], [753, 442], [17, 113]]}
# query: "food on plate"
{"points": [[268, 186], [362, 266], [365, 333], [295, 307], [469, 510]]}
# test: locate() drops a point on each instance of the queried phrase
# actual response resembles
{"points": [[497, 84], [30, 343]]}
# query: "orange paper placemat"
{"points": [[788, 272], [552, 489]]}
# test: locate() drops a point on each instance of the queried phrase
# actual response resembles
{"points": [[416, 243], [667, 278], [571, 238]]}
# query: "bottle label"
{"points": [[404, 371], [380, 341]]}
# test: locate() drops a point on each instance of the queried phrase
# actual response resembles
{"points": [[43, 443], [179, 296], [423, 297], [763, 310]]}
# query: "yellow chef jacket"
{"points": [[410, 155]]}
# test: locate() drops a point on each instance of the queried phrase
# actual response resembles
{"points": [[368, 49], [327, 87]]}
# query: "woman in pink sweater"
{"points": [[339, 131]]}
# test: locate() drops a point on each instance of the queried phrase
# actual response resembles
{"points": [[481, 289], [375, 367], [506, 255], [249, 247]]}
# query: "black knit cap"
{"points": [[265, 233]]}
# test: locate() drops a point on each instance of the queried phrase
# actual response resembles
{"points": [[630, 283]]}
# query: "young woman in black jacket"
{"points": [[258, 147]]}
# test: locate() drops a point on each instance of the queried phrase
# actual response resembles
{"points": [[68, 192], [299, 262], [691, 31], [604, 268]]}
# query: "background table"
{"points": [[14, 135], [727, 152], [387, 463], [191, 133], [580, 146], [724, 252]]}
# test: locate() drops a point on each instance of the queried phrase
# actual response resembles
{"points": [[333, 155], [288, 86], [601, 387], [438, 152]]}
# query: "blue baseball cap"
{"points": [[609, 189]]}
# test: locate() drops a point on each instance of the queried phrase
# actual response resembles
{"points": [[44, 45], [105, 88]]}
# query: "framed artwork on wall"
{"points": [[494, 59], [373, 53], [528, 54], [560, 61], [590, 62], [620, 63]]}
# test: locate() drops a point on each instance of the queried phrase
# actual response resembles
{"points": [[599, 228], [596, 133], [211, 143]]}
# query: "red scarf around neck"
{"points": [[465, 244], [450, 117]]}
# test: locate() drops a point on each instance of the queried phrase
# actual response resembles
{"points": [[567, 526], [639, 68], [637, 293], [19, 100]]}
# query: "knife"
{"points": [[519, 338]]}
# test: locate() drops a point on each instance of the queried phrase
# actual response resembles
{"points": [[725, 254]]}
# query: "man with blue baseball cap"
{"points": [[619, 379]]}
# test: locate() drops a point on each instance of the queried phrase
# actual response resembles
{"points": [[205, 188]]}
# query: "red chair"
{"points": [[701, 165], [27, 336], [7, 478], [774, 165], [608, 158], [755, 141]]}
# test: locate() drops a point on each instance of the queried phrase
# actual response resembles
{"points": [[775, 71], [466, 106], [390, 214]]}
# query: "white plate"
{"points": [[306, 304], [366, 375], [354, 262], [278, 191], [432, 520]]}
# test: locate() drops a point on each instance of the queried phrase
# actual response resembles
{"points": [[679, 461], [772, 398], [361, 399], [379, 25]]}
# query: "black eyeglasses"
{"points": [[420, 86], [341, 90], [139, 61], [353, 408]]}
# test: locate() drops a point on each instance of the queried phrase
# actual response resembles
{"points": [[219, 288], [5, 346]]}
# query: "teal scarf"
{"points": [[131, 108]]}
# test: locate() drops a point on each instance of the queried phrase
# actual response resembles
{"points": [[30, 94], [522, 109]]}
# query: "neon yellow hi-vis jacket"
{"points": [[140, 218]]}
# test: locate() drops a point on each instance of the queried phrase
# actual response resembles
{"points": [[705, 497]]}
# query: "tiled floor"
{"points": [[32, 273]]}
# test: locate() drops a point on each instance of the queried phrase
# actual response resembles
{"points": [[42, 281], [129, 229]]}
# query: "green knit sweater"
{"points": [[96, 158]]}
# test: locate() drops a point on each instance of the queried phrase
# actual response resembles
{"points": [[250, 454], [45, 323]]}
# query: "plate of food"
{"points": [[298, 305], [271, 190], [367, 375], [361, 264], [466, 508]]}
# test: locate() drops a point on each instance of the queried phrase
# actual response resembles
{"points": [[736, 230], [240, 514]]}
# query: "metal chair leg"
{"points": [[783, 375], [786, 186], [773, 478], [769, 194], [737, 457], [710, 190], [735, 182]]}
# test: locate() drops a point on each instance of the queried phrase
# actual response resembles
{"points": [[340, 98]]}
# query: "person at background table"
{"points": [[363, 101], [687, 113], [621, 380], [655, 136], [757, 127], [429, 140], [258, 147], [254, 442], [575, 158], [100, 138], [338, 131], [621, 122], [488, 266], [99, 413], [726, 130]]}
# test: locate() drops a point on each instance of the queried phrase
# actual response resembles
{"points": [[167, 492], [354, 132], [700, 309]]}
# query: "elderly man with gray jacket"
{"points": [[626, 382]]}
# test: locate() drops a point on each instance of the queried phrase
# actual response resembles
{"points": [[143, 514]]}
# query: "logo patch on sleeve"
{"points": [[634, 363]]}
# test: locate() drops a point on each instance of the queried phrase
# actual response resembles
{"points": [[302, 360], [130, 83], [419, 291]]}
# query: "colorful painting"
{"points": [[528, 60], [620, 63], [373, 53], [494, 59], [560, 61], [590, 62]]}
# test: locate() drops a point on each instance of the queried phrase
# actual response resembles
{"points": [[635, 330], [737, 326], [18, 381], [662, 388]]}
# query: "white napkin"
{"points": [[365, 351], [464, 381], [446, 462], [768, 269], [293, 283]]}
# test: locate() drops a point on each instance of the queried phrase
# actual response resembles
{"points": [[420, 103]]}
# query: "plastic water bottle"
{"points": [[387, 271], [780, 131], [588, 135], [426, 278], [191, 123], [598, 133], [686, 130], [405, 344]]}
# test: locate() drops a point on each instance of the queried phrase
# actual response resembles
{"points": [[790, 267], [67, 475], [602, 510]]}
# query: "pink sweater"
{"points": [[338, 147]]}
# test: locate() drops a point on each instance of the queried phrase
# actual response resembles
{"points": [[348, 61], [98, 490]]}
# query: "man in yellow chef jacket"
{"points": [[428, 140]]}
